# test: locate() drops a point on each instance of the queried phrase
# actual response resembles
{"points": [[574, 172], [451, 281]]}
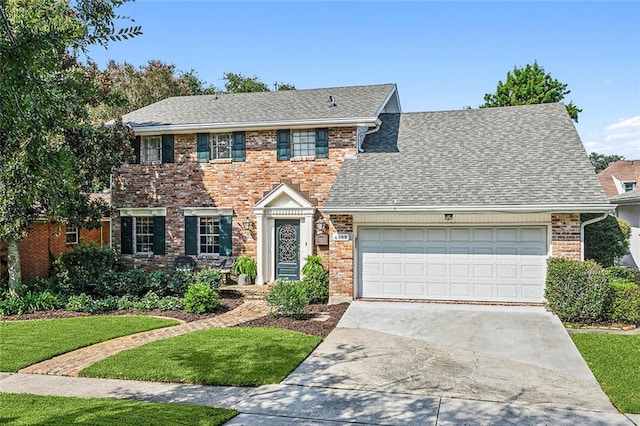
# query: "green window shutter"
{"points": [[226, 236], [191, 235], [158, 235], [322, 143], [135, 144], [167, 148], [203, 147], [126, 235], [239, 149], [284, 145]]}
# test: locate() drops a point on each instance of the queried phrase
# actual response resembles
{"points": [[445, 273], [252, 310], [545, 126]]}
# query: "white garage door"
{"points": [[505, 264]]}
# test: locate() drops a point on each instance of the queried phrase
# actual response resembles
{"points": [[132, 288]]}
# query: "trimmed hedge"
{"points": [[625, 301], [577, 291], [288, 298]]}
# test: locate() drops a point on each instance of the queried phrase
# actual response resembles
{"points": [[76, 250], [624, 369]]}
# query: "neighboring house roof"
{"points": [[245, 110], [623, 171], [104, 196], [512, 157], [629, 197]]}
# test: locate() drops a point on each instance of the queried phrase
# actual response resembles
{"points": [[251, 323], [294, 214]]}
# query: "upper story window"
{"points": [[72, 235], [304, 143], [312, 143], [221, 145], [151, 149], [628, 186]]}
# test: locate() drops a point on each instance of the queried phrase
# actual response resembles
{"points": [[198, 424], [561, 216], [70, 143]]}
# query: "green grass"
{"points": [[217, 356], [615, 361], [23, 343], [27, 409]]}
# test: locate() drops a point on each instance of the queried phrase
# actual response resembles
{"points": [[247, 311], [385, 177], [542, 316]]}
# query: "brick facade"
{"points": [[565, 235], [341, 254], [46, 242], [222, 184]]}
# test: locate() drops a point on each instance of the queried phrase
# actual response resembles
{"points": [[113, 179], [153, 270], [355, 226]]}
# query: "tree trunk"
{"points": [[13, 265]]}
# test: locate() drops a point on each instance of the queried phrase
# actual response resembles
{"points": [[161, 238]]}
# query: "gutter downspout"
{"points": [[362, 136], [582, 226]]}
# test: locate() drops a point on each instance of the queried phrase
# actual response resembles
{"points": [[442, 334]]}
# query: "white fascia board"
{"points": [[387, 99], [207, 211], [258, 125], [558, 208]]}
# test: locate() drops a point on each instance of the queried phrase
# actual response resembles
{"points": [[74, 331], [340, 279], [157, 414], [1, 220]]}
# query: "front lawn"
{"points": [[27, 342], [615, 361], [217, 356], [27, 409]]}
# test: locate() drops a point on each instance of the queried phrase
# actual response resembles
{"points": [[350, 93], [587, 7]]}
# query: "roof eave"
{"points": [[530, 208], [255, 125]]}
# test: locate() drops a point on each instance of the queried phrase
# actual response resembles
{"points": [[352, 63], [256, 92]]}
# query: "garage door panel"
{"points": [[468, 263]]}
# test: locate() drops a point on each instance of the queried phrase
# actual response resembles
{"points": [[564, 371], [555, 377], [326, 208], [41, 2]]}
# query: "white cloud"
{"points": [[625, 123], [621, 138]]}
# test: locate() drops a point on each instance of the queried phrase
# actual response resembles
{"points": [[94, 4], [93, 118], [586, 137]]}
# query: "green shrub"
{"points": [[607, 240], [80, 303], [576, 291], [625, 302], [288, 298], [133, 282], [81, 268], [109, 284], [313, 265], [148, 302], [171, 303], [180, 282], [210, 277], [107, 304], [315, 290], [10, 305], [158, 282], [200, 298], [127, 302], [622, 273]]}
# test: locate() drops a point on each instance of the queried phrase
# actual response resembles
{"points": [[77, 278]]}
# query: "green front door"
{"points": [[288, 250]]}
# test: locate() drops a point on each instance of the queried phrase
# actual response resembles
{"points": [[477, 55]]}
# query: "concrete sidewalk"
{"points": [[300, 405]]}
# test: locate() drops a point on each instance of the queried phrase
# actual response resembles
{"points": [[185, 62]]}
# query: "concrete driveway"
{"points": [[420, 363]]}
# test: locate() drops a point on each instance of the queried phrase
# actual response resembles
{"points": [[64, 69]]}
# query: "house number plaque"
{"points": [[341, 237]]}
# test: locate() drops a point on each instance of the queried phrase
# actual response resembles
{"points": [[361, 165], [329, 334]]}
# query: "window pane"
{"points": [[209, 235], [143, 234], [221, 145], [304, 143], [151, 149]]}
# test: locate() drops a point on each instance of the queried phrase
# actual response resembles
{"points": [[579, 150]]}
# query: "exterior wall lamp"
{"points": [[247, 224], [320, 226]]}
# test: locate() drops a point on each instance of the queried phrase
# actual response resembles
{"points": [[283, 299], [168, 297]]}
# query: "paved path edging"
{"points": [[71, 363]]}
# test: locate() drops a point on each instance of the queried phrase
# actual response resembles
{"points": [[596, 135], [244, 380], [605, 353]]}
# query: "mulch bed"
{"points": [[319, 320], [226, 304]]}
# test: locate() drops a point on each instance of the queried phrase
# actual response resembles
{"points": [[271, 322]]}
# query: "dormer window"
{"points": [[628, 186]]}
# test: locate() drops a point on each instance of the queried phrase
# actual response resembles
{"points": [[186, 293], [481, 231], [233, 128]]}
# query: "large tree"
{"points": [[130, 88], [602, 161], [530, 85], [51, 156], [238, 83]]}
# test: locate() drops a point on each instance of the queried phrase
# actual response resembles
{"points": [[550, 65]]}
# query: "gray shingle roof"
{"points": [[629, 197], [312, 104], [524, 155]]}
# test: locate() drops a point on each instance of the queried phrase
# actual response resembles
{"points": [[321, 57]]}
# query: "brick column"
{"points": [[341, 260], [565, 235]]}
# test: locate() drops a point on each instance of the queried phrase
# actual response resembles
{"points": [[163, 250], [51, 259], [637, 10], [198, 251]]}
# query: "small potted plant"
{"points": [[246, 269]]}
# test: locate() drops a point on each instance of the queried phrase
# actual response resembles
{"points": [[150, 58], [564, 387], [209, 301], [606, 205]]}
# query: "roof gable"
{"points": [[622, 171]]}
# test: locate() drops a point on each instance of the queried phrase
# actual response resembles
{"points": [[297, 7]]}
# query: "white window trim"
{"points": [[307, 157], [207, 211], [75, 232], [145, 211]]}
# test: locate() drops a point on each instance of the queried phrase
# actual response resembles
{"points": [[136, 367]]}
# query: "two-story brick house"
{"points": [[447, 205]]}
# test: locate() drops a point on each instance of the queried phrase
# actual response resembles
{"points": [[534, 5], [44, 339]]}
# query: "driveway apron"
{"points": [[504, 354]]}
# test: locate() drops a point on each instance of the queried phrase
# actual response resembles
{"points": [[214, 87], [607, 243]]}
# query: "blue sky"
{"points": [[441, 55]]}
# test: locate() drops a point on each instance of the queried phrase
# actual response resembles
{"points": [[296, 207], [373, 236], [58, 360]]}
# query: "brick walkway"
{"points": [[71, 363]]}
